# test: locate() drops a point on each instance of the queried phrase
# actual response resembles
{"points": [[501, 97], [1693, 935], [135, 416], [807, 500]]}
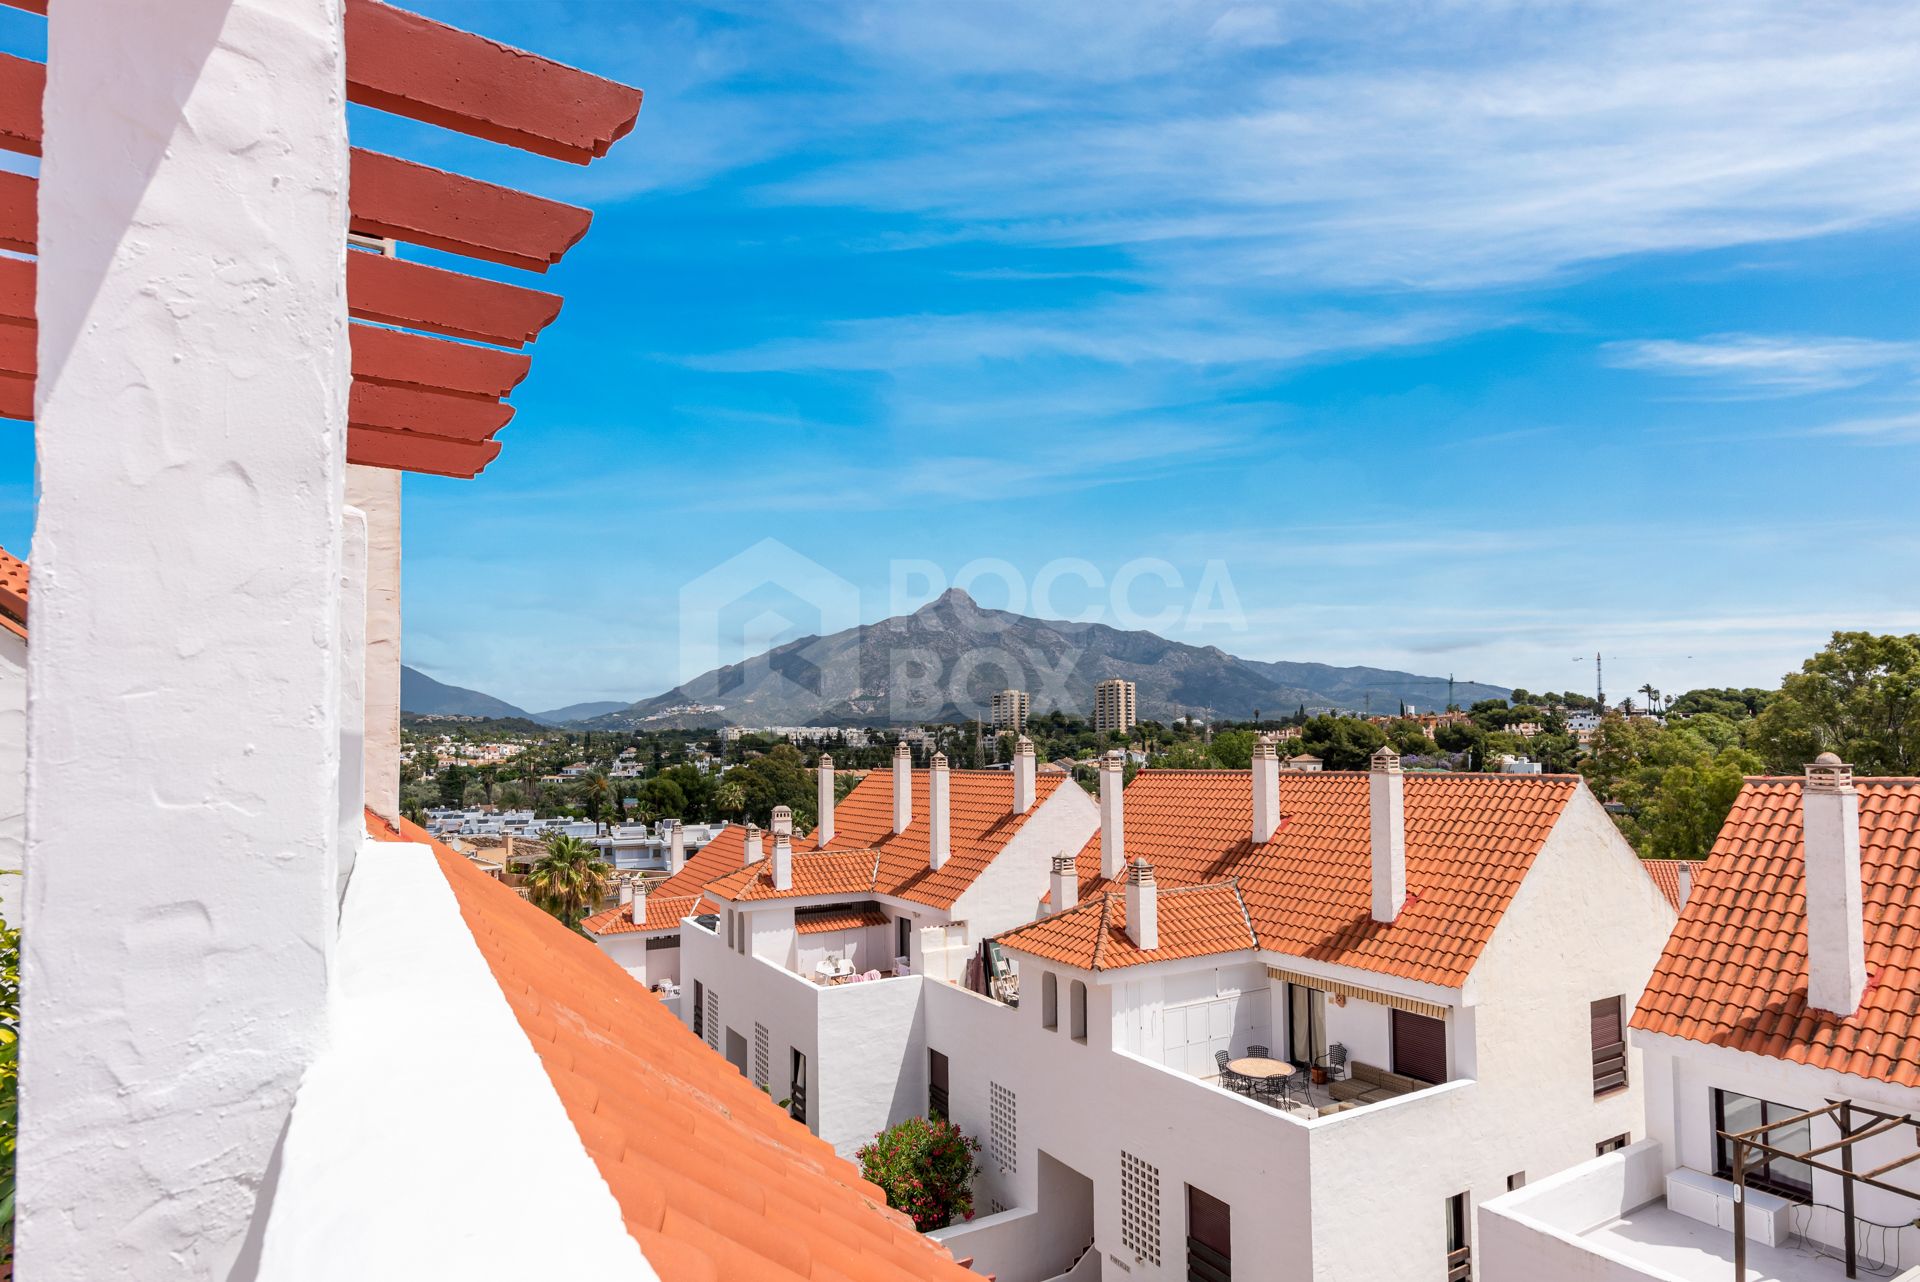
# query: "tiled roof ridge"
{"points": [[1164, 771], [1903, 781]]}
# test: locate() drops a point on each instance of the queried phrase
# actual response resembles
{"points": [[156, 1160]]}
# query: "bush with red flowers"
{"points": [[925, 1167]]}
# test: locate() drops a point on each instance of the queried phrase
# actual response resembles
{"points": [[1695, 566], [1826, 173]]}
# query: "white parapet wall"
{"points": [[385, 1172], [1535, 1233]]}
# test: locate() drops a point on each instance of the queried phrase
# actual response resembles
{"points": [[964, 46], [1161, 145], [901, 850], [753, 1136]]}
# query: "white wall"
{"points": [[189, 450], [1534, 1232], [376, 492], [646, 965], [868, 948], [13, 775], [383, 1173], [1008, 892], [1680, 1115]]}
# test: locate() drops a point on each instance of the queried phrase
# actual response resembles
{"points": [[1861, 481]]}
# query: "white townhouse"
{"points": [[1456, 953], [1784, 1010], [808, 978]]}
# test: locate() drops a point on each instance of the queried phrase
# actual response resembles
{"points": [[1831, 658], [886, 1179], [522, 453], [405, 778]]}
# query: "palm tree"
{"points": [[596, 795], [730, 798], [569, 879], [1653, 696]]}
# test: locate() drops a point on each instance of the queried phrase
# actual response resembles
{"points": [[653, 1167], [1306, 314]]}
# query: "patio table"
{"points": [[1261, 1069]]}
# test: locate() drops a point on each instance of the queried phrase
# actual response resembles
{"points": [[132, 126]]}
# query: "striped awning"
{"points": [[1412, 1005]]}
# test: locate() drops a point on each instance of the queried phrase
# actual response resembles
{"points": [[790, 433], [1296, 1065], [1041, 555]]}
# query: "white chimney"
{"points": [[1113, 860], [626, 893], [902, 786], [676, 848], [1266, 790], [782, 861], [1387, 815], [637, 909], [1143, 907], [824, 833], [1836, 944], [1024, 763], [754, 854], [782, 821], [1686, 882], [1064, 887], [939, 813]]}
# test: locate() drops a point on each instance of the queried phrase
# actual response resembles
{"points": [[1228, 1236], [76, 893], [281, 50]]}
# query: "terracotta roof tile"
{"points": [[13, 593], [1470, 840], [829, 872], [852, 919], [1195, 921], [981, 823], [663, 914], [1734, 972], [714, 1179], [1666, 875]]}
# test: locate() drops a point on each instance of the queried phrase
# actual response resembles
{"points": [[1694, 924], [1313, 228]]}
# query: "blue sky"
{"points": [[1459, 337]]}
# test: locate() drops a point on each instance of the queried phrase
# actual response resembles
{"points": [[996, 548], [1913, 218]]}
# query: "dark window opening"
{"points": [[699, 1009], [1459, 1247], [1209, 1238], [904, 931], [1419, 1047], [1609, 1045], [1778, 1175], [797, 1093], [1518, 1180], [936, 1084], [1306, 1025], [1613, 1145]]}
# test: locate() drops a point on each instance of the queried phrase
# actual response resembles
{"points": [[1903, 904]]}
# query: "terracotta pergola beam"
{"points": [[412, 452], [416, 296], [22, 85], [413, 66], [400, 200]]}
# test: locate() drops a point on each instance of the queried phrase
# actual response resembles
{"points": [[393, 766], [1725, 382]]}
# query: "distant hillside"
{"points": [[421, 694], [580, 711], [850, 677]]}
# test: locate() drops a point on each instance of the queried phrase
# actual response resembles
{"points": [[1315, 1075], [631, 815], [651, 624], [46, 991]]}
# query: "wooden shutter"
{"points": [[1609, 1046], [1209, 1238], [1419, 1046], [936, 1084]]}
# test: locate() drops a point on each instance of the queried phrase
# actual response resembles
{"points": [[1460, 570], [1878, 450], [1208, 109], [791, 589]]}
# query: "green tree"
{"points": [[1342, 743], [1691, 802], [595, 795], [925, 1167], [1859, 697], [1233, 749], [568, 879]]}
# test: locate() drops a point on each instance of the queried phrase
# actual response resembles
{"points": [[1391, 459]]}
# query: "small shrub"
{"points": [[925, 1167]]}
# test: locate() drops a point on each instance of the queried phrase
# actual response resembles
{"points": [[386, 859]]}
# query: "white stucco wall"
{"points": [[1008, 892], [1534, 1233], [189, 448], [1683, 1076], [376, 493], [867, 947], [13, 775], [385, 1172]]}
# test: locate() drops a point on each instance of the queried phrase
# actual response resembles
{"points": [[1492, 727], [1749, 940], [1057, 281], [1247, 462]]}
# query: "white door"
{"points": [[1194, 1032]]}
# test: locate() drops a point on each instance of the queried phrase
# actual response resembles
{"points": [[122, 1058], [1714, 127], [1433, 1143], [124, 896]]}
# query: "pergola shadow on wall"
{"points": [[1751, 1150]]}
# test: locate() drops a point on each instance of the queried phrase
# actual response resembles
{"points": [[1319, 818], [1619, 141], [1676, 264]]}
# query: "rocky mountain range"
{"points": [[944, 661]]}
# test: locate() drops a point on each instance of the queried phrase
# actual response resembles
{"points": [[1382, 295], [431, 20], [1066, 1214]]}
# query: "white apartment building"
{"points": [[1113, 706], [1785, 999], [1010, 711], [810, 976]]}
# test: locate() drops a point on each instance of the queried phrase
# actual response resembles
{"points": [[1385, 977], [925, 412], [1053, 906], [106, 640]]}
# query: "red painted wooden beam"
{"points": [[413, 66], [412, 452], [22, 86], [17, 348], [31, 6], [409, 409], [415, 360], [16, 397], [17, 277], [19, 212], [393, 292], [403, 201]]}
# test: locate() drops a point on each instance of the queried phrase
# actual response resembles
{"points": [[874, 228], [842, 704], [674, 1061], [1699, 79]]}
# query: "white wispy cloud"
{"points": [[1770, 365]]}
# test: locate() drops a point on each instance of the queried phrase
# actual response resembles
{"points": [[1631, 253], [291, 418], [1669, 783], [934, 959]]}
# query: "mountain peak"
{"points": [[952, 599]]}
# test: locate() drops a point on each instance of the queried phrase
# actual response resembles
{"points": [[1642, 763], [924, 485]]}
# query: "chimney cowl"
{"points": [[1827, 773], [1143, 907], [1386, 760]]}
